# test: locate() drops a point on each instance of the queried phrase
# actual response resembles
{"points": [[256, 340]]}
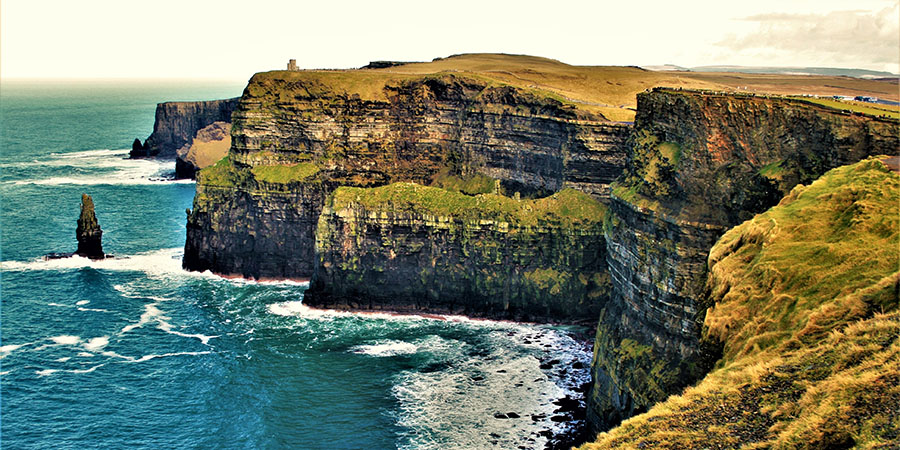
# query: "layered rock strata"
{"points": [[699, 164], [289, 124], [177, 122], [413, 248]]}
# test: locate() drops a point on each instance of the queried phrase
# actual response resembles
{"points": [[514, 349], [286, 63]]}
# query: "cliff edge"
{"points": [[700, 162]]}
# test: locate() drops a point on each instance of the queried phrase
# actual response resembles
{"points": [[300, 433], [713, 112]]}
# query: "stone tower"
{"points": [[292, 64]]}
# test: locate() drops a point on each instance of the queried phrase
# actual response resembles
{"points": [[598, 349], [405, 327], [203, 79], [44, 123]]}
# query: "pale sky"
{"points": [[234, 39]]}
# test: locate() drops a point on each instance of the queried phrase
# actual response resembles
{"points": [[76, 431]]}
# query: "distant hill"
{"points": [[826, 71]]}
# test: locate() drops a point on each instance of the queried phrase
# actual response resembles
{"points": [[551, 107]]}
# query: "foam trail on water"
{"points": [[157, 263], [116, 169], [151, 312], [386, 348], [167, 355]]}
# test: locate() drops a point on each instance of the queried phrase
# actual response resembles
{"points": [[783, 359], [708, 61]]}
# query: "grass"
{"points": [[220, 174], [284, 173], [472, 185], [860, 107], [806, 308], [605, 90], [566, 208]]}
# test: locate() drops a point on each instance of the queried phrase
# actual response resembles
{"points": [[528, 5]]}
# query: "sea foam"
{"points": [[386, 348], [116, 169]]}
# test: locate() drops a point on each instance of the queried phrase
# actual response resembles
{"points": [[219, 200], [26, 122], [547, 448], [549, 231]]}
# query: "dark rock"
{"points": [[88, 232], [138, 149], [512, 415]]}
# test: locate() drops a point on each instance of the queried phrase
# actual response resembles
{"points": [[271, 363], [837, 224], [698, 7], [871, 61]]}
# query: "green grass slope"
{"points": [[805, 307]]}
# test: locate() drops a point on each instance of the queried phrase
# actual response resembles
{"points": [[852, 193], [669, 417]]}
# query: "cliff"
{"points": [[413, 248], [805, 310], [297, 136], [177, 122], [699, 163], [316, 185], [209, 145]]}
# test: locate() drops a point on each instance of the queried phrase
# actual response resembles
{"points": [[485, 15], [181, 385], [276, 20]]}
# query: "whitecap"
{"points": [[96, 343], [45, 372], [82, 302], [9, 348], [386, 348], [63, 359], [66, 340]]}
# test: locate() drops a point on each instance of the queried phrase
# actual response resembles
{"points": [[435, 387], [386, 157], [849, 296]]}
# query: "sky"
{"points": [[231, 40]]}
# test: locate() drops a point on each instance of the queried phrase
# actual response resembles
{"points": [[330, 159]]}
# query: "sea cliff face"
{"points": [[296, 138], [805, 311], [177, 122], [414, 248], [699, 164]]}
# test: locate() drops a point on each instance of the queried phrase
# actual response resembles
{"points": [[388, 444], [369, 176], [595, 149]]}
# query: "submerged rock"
{"points": [[88, 231]]}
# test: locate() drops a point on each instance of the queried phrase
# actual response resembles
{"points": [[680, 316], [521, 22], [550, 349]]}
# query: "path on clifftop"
{"points": [[892, 162]]}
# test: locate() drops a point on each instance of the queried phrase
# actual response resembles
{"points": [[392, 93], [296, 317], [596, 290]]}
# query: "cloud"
{"points": [[856, 38]]}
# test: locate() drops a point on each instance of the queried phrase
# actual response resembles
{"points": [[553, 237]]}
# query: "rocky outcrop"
{"points": [[209, 145], [700, 163], [177, 122], [88, 232], [406, 247], [291, 123]]}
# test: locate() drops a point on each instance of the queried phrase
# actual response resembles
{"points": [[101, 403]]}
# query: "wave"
{"points": [[505, 398], [163, 262], [110, 167]]}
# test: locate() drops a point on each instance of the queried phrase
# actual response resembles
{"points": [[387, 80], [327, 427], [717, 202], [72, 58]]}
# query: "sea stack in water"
{"points": [[88, 232]]}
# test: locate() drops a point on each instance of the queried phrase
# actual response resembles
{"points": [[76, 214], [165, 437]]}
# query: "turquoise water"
{"points": [[135, 352]]}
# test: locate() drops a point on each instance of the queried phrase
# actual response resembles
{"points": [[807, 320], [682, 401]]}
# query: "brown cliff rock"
{"points": [[209, 145]]}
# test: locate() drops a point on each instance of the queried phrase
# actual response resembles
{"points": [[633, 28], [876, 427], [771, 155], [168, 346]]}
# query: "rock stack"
{"points": [[88, 231]]}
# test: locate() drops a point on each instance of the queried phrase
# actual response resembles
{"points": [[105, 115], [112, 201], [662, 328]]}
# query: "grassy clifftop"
{"points": [[806, 310], [567, 207], [606, 90]]}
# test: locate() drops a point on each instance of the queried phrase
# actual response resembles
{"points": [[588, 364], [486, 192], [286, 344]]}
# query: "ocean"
{"points": [[134, 352]]}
